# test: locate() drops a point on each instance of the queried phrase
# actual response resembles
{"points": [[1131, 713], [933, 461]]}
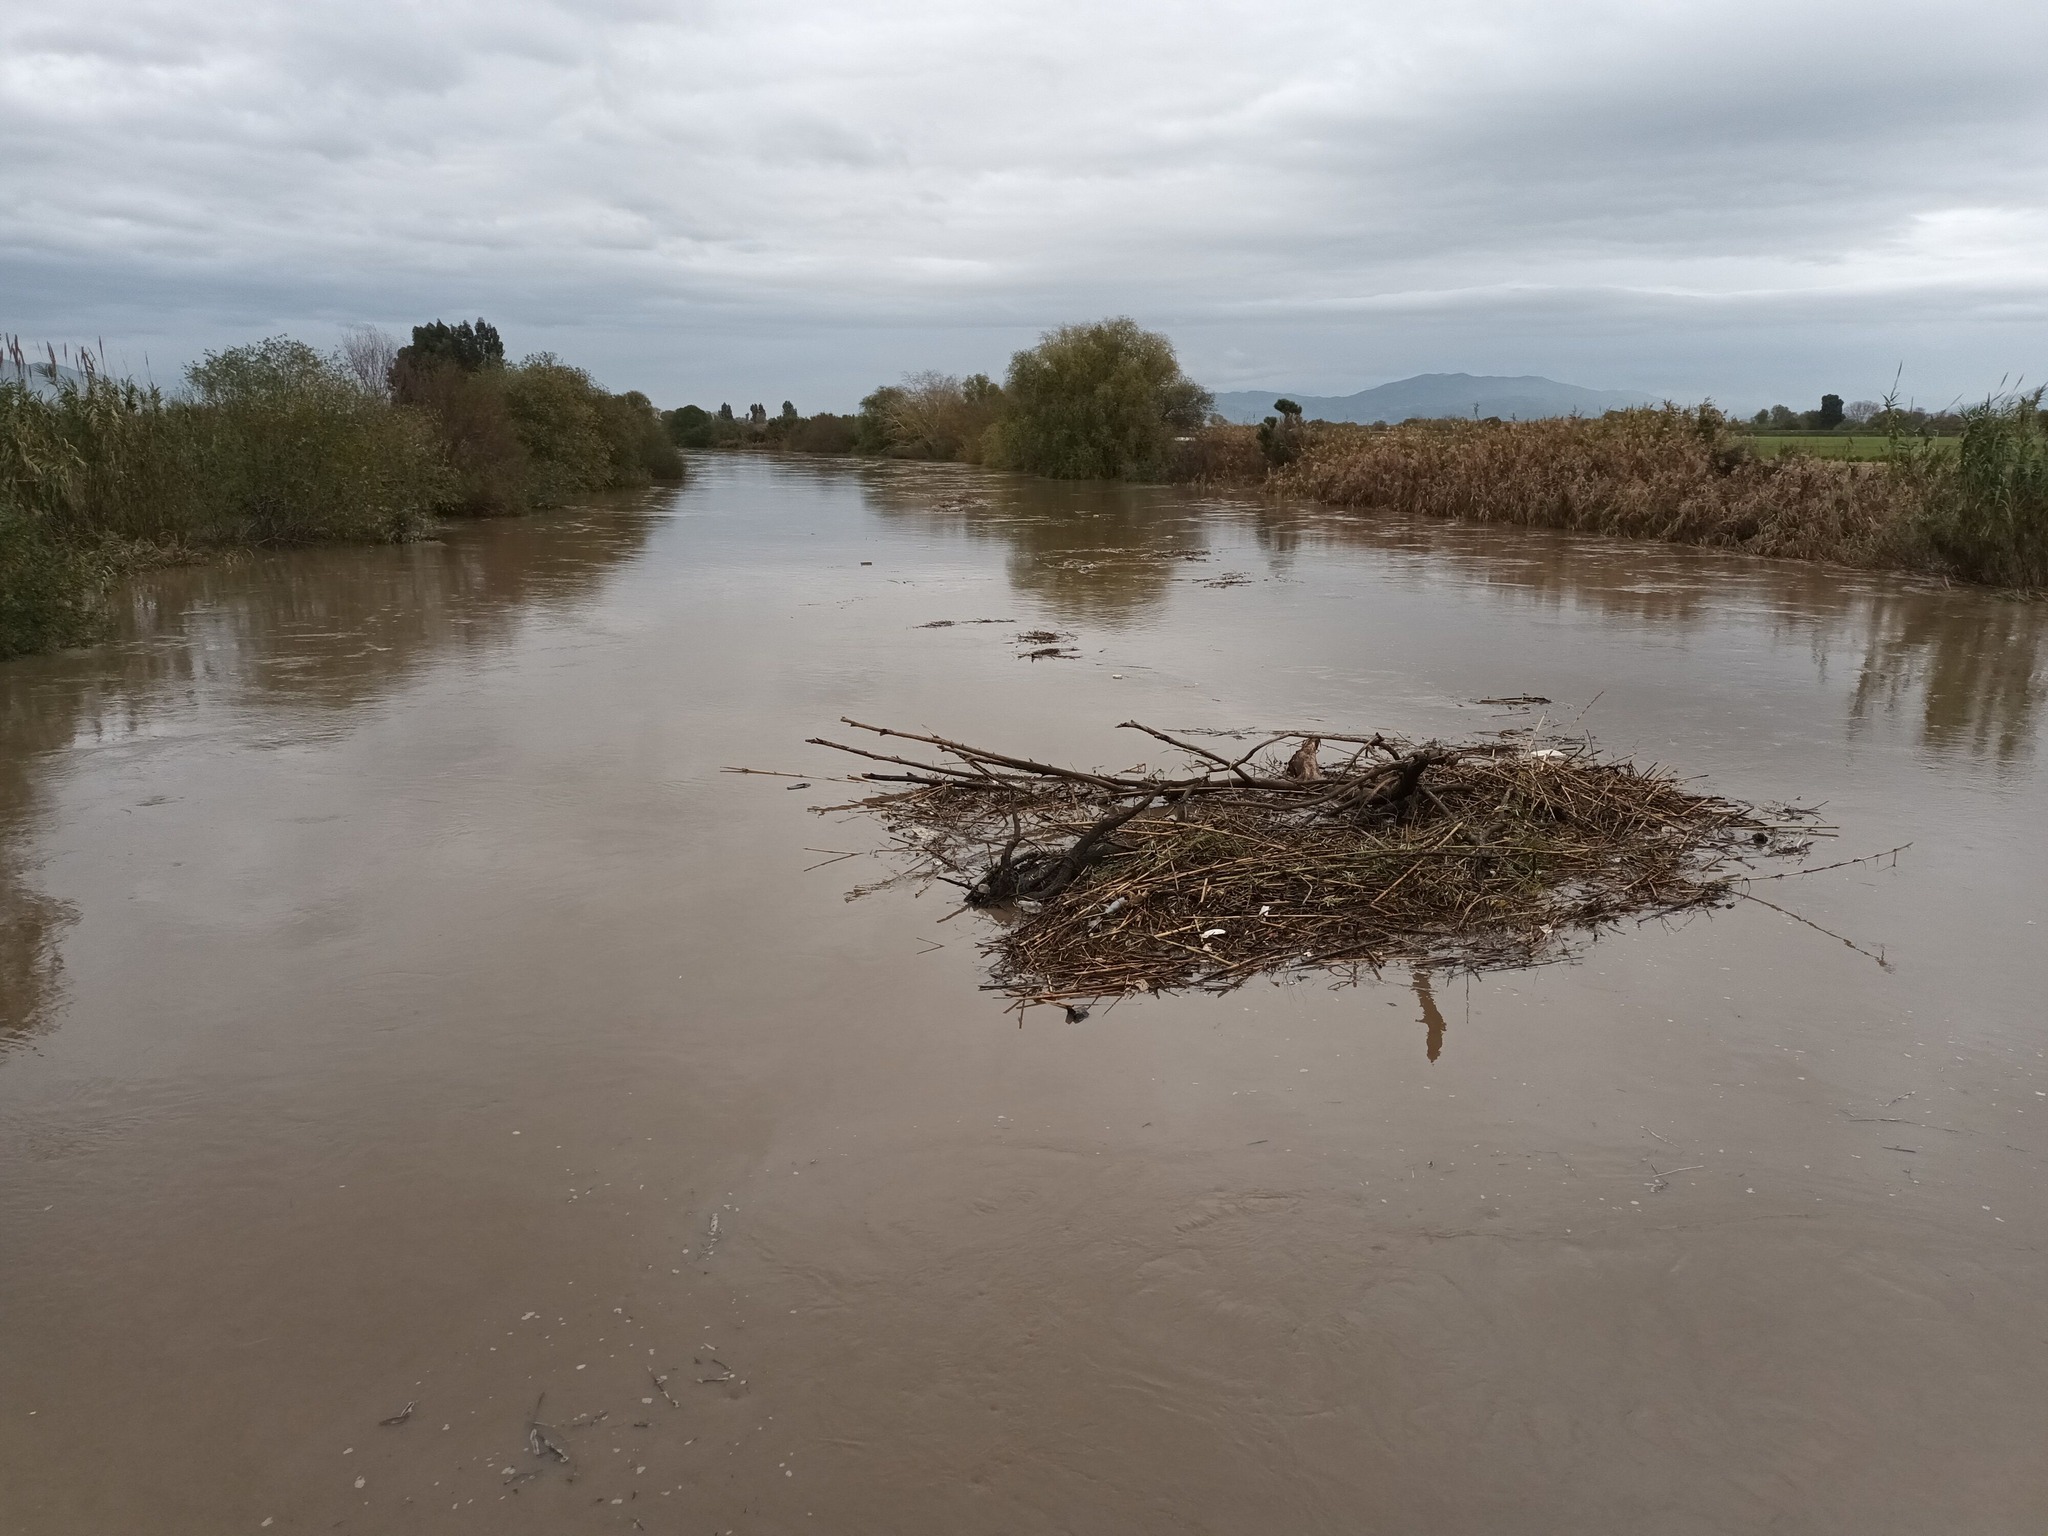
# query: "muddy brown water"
{"points": [[401, 1007]]}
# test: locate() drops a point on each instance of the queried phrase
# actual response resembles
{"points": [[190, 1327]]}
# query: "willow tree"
{"points": [[1096, 402]]}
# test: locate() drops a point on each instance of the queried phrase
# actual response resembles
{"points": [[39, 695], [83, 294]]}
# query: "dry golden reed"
{"points": [[1672, 474]]}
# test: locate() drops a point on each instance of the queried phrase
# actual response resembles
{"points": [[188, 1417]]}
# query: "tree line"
{"points": [[275, 443], [1881, 417], [1101, 401]]}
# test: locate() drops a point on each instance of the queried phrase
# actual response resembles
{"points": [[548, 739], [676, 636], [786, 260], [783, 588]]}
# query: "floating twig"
{"points": [[1871, 954], [1868, 858]]}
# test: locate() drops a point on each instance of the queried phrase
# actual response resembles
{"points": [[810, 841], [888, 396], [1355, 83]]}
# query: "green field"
{"points": [[1821, 445]]}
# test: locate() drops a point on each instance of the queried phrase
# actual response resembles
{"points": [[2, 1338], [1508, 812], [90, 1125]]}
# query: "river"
{"points": [[402, 1008]]}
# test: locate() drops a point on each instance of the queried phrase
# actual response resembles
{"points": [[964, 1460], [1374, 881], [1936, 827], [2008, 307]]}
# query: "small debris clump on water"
{"points": [[1301, 852]]}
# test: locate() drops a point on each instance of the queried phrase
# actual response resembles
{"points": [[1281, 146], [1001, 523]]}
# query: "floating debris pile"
{"points": [[1309, 851]]}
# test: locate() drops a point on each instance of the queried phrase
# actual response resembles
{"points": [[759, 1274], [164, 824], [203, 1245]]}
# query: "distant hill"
{"points": [[1438, 394], [37, 377]]}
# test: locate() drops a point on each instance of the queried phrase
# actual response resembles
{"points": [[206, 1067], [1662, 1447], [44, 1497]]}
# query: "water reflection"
{"points": [[327, 629], [1432, 1017], [1975, 666], [287, 642], [292, 643], [1095, 553], [1970, 663], [31, 962]]}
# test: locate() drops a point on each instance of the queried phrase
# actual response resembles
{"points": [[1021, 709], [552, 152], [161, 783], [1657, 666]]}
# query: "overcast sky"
{"points": [[796, 199]]}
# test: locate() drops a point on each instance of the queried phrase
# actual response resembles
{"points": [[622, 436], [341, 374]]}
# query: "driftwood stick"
{"points": [[1273, 741], [970, 754], [907, 762], [1185, 746], [1041, 876], [919, 778], [1877, 955], [1891, 853], [1025, 768]]}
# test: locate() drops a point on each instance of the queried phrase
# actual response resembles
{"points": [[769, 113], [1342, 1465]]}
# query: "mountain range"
{"points": [[1438, 394]]}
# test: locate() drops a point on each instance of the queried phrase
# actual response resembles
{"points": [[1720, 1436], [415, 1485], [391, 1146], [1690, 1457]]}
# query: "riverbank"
{"points": [[1975, 509], [275, 444]]}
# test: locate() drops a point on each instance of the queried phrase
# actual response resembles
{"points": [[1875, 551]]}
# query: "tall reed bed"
{"points": [[1984, 505], [1682, 476]]}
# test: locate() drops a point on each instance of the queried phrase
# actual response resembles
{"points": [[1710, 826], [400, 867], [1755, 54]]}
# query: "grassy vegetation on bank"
{"points": [[276, 444], [1962, 493], [1975, 507]]}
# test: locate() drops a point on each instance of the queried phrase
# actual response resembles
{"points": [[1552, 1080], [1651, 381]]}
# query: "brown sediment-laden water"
{"points": [[434, 1097]]}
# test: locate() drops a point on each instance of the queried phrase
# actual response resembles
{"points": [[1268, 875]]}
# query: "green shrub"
{"points": [[930, 416], [473, 421], [640, 448], [49, 589], [1984, 505], [274, 444], [1281, 437], [279, 446], [555, 411], [823, 433], [873, 429], [690, 426], [535, 435], [1096, 402]]}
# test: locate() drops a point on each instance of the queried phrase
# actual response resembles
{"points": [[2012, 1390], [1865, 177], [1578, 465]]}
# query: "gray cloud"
{"points": [[1749, 201]]}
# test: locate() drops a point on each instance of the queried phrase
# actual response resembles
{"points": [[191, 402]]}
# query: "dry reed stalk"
{"points": [[1670, 474]]}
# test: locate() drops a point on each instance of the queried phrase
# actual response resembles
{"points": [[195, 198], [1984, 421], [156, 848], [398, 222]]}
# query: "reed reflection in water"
{"points": [[1968, 662], [286, 646]]}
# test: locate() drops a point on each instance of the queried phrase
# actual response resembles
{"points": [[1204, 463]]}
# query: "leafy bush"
{"points": [[49, 589], [640, 448], [1984, 511], [274, 444], [535, 435], [1097, 402], [873, 427], [930, 416], [277, 445], [823, 433], [1281, 437], [690, 426], [555, 410], [471, 417]]}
